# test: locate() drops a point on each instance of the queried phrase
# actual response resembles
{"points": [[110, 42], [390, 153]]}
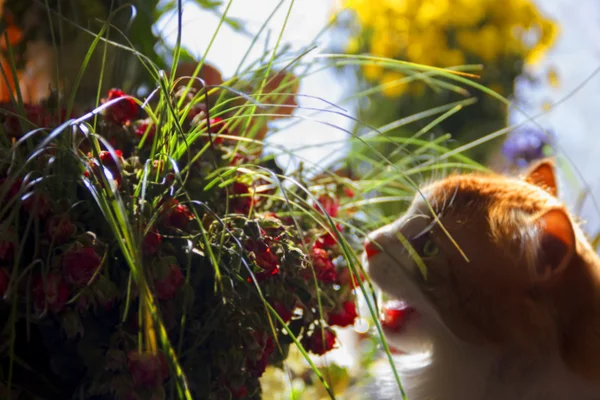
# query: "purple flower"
{"points": [[523, 146]]}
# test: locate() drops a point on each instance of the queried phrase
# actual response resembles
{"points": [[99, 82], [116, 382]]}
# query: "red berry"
{"points": [[395, 315], [122, 111], [59, 229], [320, 341], [147, 369], [53, 294], [166, 287], [80, 264], [344, 317]]}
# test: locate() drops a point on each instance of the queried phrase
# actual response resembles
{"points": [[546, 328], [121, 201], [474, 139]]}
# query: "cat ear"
{"points": [[557, 244], [541, 174]]}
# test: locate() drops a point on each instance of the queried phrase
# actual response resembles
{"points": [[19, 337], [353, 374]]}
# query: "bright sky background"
{"points": [[575, 56]]}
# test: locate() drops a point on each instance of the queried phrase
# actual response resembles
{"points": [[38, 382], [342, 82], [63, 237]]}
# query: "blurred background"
{"points": [[543, 55]]}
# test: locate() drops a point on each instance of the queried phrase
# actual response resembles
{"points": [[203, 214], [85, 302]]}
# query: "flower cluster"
{"points": [[524, 146], [218, 247], [447, 33]]}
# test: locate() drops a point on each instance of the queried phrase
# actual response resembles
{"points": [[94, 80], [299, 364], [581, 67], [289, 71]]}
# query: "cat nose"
{"points": [[371, 249]]}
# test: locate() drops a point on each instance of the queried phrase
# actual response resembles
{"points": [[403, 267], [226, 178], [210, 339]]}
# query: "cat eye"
{"points": [[430, 249]]}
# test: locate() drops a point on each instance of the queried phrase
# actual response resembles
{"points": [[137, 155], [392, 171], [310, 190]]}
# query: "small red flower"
{"points": [[12, 191], [147, 369], [344, 317], [37, 205], [284, 312], [112, 164], [346, 278], [80, 264], [8, 243], [146, 126], [328, 240], [122, 111], [167, 286], [257, 367], [152, 242], [348, 192], [320, 341], [4, 280], [59, 229], [324, 268], [217, 126], [330, 204], [241, 200], [238, 392], [53, 294], [264, 258], [176, 215]]}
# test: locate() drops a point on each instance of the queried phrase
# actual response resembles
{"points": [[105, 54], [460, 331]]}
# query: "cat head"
{"points": [[480, 258]]}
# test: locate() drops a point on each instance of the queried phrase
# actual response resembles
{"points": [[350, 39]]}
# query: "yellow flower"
{"points": [[451, 57], [393, 84], [372, 71], [446, 32], [491, 43]]}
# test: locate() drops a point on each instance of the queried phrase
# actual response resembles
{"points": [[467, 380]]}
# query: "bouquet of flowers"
{"points": [[150, 250]]}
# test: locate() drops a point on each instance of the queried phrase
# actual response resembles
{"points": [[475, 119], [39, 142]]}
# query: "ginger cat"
{"points": [[509, 308]]}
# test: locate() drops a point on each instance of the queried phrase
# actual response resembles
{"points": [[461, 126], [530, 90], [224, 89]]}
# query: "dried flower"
{"points": [[123, 111], [324, 268], [167, 285], [241, 200], [8, 242], [345, 277], [147, 369], [146, 129], [320, 341], [50, 291], [152, 241], [176, 215], [258, 366], [330, 204], [284, 312], [4, 280], [37, 205], [80, 264], [345, 316], [59, 228]]}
